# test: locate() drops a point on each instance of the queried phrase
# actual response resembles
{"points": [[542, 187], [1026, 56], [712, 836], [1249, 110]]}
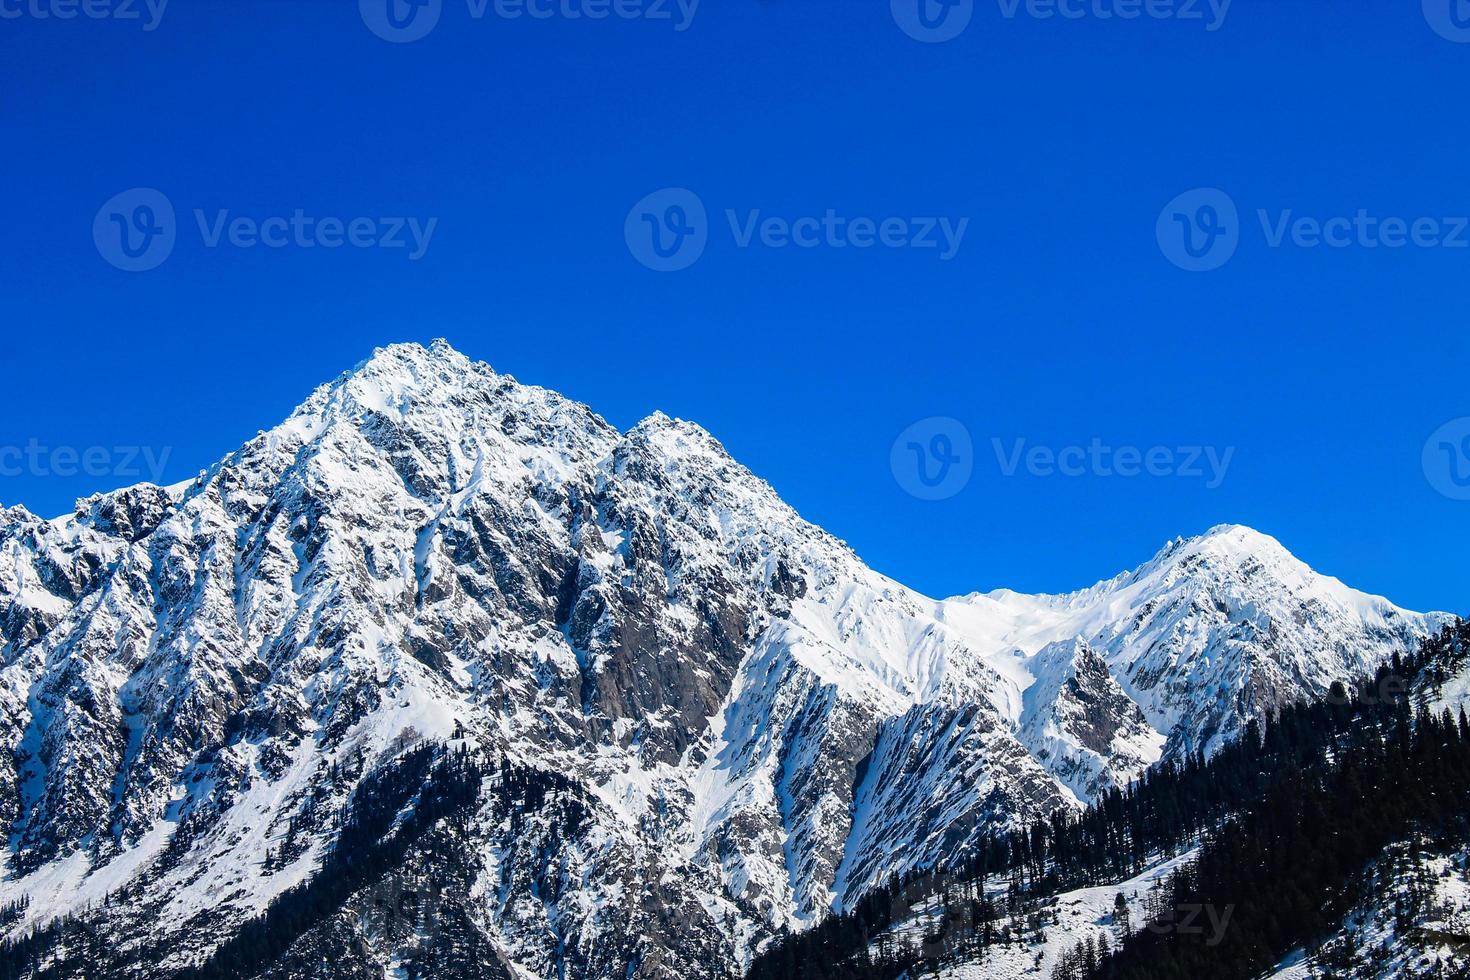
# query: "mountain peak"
{"points": [[1240, 537], [414, 352], [412, 365], [390, 379], [1224, 550], [1222, 539], [677, 437], [657, 420], [1240, 558]]}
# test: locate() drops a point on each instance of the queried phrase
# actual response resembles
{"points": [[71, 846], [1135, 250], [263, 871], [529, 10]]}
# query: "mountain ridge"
{"points": [[194, 677]]}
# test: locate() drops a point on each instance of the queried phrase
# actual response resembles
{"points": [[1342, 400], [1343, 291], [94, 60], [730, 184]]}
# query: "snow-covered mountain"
{"points": [[758, 726]]}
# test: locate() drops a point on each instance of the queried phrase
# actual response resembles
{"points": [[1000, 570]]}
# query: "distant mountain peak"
{"points": [[1232, 540]]}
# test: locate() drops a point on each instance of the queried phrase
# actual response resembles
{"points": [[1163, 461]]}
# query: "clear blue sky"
{"points": [[1059, 320]]}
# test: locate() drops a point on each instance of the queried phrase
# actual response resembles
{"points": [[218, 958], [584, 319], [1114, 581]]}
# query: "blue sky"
{"points": [[1063, 317]]}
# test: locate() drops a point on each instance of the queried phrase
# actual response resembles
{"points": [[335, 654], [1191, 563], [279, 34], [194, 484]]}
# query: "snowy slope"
{"points": [[194, 678], [1416, 925], [1084, 914]]}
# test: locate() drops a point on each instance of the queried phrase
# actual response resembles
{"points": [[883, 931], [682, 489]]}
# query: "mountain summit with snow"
{"points": [[703, 720]]}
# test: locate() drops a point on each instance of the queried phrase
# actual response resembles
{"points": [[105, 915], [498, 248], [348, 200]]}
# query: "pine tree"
{"points": [[1121, 917]]}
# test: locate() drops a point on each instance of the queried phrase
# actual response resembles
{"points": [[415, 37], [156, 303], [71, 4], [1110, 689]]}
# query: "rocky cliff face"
{"points": [[1083, 727], [747, 724]]}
